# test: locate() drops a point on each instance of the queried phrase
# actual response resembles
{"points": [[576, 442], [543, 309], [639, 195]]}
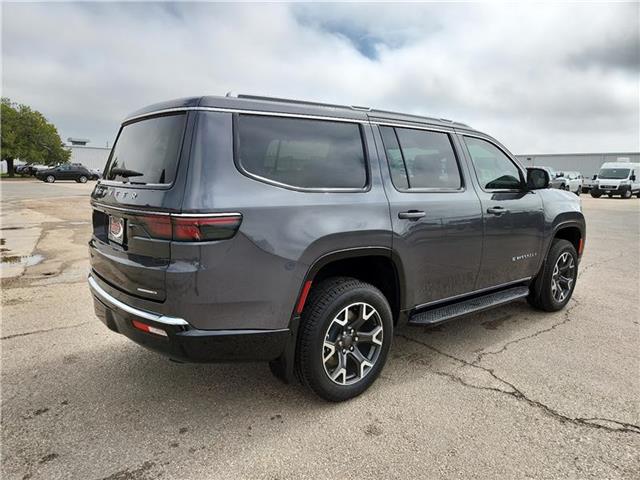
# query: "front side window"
{"points": [[420, 159], [302, 153], [495, 171], [146, 152]]}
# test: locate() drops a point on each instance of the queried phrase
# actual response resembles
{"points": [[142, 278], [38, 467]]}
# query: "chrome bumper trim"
{"points": [[114, 302]]}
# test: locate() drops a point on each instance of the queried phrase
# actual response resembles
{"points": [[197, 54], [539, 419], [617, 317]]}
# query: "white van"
{"points": [[617, 178]]}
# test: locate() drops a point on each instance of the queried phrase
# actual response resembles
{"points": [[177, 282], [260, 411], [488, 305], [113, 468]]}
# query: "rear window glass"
{"points": [[302, 153], [146, 151]]}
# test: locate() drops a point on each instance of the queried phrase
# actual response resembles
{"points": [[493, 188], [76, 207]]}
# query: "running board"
{"points": [[464, 307]]}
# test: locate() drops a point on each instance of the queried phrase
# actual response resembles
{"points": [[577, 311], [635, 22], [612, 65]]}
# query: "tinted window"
{"points": [[394, 157], [302, 153], [147, 151], [493, 168], [429, 160]]}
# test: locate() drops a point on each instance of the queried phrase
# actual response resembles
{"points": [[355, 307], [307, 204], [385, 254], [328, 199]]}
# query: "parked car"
{"points": [[556, 178], [617, 178], [303, 234], [65, 172], [574, 181], [21, 169], [588, 183]]}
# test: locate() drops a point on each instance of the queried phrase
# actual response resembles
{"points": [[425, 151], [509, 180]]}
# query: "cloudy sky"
{"points": [[542, 78]]}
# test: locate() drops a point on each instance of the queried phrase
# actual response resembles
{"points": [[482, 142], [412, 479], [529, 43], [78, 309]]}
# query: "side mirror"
{"points": [[632, 178], [537, 178], [594, 177]]}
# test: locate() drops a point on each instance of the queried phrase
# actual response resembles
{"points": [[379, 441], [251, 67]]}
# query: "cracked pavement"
{"points": [[508, 393]]}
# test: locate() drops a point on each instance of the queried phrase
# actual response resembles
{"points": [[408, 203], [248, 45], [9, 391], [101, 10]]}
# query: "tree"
{"points": [[29, 137]]}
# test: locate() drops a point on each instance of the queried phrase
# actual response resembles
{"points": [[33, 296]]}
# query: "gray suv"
{"points": [[303, 234]]}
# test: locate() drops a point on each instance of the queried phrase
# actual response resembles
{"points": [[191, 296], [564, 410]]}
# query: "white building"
{"points": [[586, 163], [94, 158]]}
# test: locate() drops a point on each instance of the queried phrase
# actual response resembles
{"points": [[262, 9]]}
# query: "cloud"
{"points": [[541, 78]]}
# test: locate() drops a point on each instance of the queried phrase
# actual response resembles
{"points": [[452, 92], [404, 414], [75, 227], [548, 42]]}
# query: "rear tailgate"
{"points": [[143, 183]]}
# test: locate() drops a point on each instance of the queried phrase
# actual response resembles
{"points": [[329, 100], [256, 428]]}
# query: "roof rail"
{"points": [[289, 100], [360, 108], [332, 105]]}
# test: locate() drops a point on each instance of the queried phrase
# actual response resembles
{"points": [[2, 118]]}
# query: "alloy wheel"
{"points": [[352, 343], [564, 273]]}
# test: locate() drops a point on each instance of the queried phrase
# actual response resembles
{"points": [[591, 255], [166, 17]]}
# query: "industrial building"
{"points": [[94, 158], [586, 163]]}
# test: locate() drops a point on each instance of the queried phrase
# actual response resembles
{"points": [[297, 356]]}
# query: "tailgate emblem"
{"points": [[116, 227]]}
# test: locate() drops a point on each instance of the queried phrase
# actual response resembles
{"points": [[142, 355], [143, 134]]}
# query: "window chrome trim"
{"points": [[475, 292], [111, 301], [134, 211], [248, 112], [415, 127]]}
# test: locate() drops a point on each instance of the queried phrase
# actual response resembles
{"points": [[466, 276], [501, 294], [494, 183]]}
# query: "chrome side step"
{"points": [[464, 307]]}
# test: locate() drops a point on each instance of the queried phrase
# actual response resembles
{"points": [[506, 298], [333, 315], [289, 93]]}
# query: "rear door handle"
{"points": [[497, 210], [411, 215]]}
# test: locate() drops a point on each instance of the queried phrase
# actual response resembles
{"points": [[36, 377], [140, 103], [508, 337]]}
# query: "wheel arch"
{"points": [[375, 265]]}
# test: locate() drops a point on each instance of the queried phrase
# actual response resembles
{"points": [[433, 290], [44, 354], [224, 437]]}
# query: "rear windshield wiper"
{"points": [[126, 173]]}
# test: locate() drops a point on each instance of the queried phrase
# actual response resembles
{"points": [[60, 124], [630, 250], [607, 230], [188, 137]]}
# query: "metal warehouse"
{"points": [[94, 158], [586, 163]]}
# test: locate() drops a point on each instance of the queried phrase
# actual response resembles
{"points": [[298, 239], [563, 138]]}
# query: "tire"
{"points": [[577, 192], [638, 194], [543, 296], [50, 179], [330, 303], [566, 187], [595, 194], [627, 194], [82, 179]]}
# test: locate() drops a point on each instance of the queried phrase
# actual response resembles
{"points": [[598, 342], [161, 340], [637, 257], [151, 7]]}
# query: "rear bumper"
{"points": [[183, 342]]}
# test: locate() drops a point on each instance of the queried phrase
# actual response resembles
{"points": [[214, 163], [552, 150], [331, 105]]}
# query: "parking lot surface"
{"points": [[508, 393]]}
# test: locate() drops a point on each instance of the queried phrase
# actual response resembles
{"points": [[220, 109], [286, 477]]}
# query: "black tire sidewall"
{"points": [[311, 357]]}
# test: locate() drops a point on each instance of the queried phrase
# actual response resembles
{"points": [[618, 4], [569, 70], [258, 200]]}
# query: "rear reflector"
{"points": [[191, 229], [148, 328], [303, 296], [580, 246]]}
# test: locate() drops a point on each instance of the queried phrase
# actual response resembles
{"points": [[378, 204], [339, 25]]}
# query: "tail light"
{"points": [[187, 228]]}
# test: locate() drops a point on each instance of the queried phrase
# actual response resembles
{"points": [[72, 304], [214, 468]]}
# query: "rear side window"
{"points": [[301, 153], [147, 151], [421, 159]]}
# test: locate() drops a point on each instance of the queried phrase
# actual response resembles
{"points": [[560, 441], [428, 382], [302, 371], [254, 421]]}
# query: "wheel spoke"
{"points": [[374, 336], [341, 370], [364, 313], [360, 360], [331, 347]]}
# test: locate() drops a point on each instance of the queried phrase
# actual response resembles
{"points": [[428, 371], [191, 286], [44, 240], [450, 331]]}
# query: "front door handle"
{"points": [[411, 215], [497, 210]]}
